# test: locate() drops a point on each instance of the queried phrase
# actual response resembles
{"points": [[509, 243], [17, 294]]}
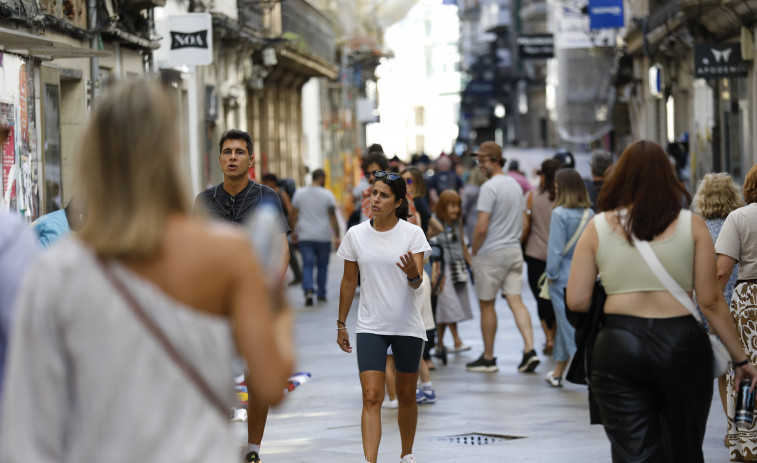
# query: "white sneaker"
{"points": [[239, 414], [409, 458], [552, 381], [390, 404]]}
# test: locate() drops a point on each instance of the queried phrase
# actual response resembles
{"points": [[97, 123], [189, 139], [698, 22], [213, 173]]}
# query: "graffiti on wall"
{"points": [[9, 154], [20, 157]]}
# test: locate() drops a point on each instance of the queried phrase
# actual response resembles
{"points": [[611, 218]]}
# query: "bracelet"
{"points": [[741, 363], [413, 280], [342, 328], [341, 322]]}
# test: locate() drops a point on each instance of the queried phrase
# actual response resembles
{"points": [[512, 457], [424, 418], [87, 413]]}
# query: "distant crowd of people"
{"points": [[141, 312], [648, 338]]}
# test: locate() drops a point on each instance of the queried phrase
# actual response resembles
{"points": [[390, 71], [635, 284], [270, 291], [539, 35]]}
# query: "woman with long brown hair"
{"points": [[535, 236], [652, 361]]}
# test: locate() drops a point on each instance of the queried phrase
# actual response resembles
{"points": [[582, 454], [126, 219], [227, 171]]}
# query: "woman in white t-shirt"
{"points": [[388, 252]]}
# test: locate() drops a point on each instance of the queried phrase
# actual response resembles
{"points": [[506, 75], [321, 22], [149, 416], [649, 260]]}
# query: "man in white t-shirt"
{"points": [[313, 219], [497, 257]]}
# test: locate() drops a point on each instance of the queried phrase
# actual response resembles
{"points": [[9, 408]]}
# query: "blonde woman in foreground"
{"points": [[87, 380]]}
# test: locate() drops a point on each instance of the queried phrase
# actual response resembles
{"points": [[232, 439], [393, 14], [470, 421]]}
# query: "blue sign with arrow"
{"points": [[605, 14]]}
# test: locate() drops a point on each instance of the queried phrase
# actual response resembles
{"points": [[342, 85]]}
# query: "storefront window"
{"points": [[735, 121]]}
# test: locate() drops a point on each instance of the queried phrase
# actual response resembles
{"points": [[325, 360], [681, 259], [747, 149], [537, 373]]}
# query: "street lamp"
{"points": [[499, 111]]}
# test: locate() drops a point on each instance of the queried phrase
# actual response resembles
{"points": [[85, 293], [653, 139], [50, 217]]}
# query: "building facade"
{"points": [[687, 75], [55, 59]]}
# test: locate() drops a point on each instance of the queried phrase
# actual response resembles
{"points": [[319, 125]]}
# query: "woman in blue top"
{"points": [[571, 213]]}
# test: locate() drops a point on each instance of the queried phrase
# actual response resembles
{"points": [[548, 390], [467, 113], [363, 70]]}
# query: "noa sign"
{"points": [[191, 39]]}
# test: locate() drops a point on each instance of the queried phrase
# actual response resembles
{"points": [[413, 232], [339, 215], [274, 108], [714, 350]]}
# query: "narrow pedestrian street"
{"points": [[320, 420]]}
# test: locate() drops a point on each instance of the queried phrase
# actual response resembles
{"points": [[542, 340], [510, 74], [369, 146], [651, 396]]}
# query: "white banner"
{"points": [[188, 39]]}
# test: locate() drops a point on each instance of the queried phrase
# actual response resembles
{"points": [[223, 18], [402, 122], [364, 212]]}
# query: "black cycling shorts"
{"points": [[371, 352]]}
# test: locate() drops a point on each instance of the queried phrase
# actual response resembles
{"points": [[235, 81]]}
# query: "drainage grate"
{"points": [[476, 439]]}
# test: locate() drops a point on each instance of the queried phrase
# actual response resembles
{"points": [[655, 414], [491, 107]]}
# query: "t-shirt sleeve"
{"points": [[486, 198], [347, 249], [296, 199], [419, 243], [729, 242], [270, 196], [332, 199], [199, 204]]}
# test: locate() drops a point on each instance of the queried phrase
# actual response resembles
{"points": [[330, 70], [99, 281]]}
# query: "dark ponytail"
{"points": [[403, 212], [399, 189]]}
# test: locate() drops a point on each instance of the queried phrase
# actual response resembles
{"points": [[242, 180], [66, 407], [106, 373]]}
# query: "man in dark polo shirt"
{"points": [[235, 199]]}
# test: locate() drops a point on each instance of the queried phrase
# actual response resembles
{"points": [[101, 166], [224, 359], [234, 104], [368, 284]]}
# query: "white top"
{"points": [[738, 239], [86, 383], [388, 304], [502, 197]]}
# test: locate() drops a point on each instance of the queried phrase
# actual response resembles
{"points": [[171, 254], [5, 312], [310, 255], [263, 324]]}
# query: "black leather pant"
{"points": [[652, 379]]}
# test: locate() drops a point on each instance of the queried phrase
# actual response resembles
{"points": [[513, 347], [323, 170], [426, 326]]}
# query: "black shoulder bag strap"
{"points": [[159, 336]]}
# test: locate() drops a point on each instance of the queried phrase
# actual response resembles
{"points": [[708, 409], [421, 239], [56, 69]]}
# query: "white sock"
{"points": [[426, 385], [253, 448]]}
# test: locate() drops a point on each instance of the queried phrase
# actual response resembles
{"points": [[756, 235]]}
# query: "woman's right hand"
{"points": [[745, 372], [343, 339]]}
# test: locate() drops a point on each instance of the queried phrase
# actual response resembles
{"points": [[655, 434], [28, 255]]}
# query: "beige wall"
{"points": [[75, 104]]}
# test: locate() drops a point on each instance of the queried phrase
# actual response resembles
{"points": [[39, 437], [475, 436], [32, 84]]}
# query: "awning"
{"points": [[24, 43], [306, 64]]}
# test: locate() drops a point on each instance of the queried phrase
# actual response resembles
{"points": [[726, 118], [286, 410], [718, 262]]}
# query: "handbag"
{"points": [[458, 271], [543, 283], [192, 374], [721, 358]]}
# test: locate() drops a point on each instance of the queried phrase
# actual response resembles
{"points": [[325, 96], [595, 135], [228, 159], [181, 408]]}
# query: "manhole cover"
{"points": [[476, 439]]}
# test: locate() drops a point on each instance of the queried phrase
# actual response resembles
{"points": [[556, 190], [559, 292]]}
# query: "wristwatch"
{"points": [[413, 280]]}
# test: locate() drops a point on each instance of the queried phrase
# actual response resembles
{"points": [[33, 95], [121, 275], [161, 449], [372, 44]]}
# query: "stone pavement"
{"points": [[320, 421]]}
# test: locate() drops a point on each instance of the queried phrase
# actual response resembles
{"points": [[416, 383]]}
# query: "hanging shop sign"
{"points": [[655, 81], [190, 38], [570, 24], [605, 14], [536, 46], [719, 60]]}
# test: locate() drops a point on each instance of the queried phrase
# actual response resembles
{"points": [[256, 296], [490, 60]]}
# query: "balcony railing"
{"points": [[308, 27]]}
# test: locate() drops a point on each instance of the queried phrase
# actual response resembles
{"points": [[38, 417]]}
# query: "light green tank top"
{"points": [[624, 270]]}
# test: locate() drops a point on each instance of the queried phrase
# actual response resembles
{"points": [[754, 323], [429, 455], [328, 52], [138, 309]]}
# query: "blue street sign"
{"points": [[605, 14]]}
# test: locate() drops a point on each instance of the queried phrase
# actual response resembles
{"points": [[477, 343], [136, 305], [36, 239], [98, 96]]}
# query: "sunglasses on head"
{"points": [[388, 175]]}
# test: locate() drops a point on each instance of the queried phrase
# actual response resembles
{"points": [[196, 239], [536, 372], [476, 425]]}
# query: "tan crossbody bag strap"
{"points": [[159, 336]]}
